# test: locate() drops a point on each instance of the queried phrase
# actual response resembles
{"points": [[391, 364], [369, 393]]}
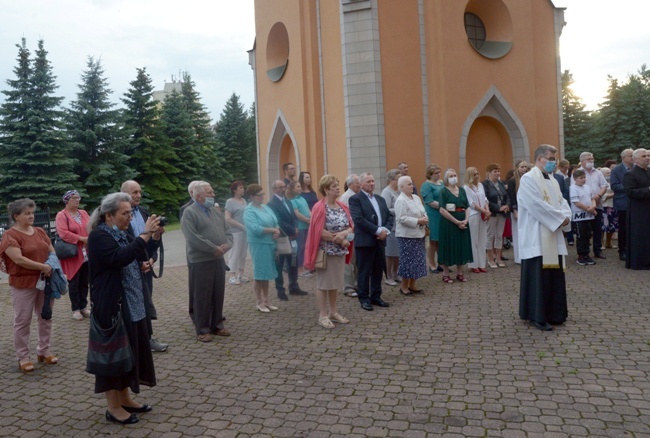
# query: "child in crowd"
{"points": [[583, 207]]}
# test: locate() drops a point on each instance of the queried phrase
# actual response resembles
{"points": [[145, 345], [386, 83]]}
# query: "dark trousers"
{"points": [[280, 261], [597, 230], [583, 236], [622, 231], [208, 280], [78, 288], [370, 267]]}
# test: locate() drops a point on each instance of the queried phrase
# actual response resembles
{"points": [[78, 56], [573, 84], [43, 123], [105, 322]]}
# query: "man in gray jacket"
{"points": [[208, 238]]}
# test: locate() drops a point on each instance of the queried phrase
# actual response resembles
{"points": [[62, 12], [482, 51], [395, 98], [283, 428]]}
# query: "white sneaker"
{"points": [[77, 316], [234, 280]]}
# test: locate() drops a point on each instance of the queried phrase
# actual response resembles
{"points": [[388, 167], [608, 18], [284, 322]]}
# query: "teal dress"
{"points": [[431, 192], [261, 245], [454, 244]]}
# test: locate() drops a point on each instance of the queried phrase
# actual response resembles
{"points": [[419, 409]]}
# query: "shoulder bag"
{"points": [[109, 351], [321, 259], [283, 244], [63, 249]]}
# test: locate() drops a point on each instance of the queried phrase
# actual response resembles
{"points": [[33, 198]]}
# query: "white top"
{"points": [[583, 195], [594, 179], [407, 212], [535, 213], [476, 196], [345, 197]]}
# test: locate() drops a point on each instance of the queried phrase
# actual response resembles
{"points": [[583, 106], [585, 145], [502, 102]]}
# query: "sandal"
{"points": [[337, 317], [501, 265], [49, 360], [26, 367], [416, 291], [324, 321], [476, 270], [410, 292], [461, 278], [446, 279]]}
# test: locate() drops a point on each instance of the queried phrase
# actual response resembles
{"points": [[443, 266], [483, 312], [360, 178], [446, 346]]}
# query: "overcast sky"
{"points": [[210, 40]]}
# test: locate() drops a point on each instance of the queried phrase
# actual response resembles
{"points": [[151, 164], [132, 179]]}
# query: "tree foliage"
{"points": [[34, 153], [150, 149], [578, 133], [97, 130], [236, 145]]}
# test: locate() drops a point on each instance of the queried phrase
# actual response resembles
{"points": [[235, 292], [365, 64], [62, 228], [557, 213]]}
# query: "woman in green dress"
{"points": [[455, 245], [430, 191]]}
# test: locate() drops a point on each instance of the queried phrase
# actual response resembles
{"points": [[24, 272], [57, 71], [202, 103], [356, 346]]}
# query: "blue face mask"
{"points": [[209, 203], [549, 166]]}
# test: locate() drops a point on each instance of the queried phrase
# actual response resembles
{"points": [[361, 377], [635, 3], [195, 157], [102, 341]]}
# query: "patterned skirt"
{"points": [[412, 258]]}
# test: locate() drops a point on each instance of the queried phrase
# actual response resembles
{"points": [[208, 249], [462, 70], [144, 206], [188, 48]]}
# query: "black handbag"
{"points": [[63, 249], [109, 351]]}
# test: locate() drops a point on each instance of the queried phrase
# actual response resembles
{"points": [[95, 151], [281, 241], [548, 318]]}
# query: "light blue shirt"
{"points": [[137, 222]]}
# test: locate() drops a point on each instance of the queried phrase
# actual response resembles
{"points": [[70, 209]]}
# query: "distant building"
{"points": [[160, 95], [347, 86]]}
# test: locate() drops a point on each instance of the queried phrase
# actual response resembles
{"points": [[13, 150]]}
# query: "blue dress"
{"points": [[431, 192], [262, 245]]}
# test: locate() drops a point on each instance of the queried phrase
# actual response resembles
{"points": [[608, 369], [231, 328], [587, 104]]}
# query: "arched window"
{"points": [[475, 30]]}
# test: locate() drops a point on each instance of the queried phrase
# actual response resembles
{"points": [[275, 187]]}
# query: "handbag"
{"points": [[484, 217], [109, 351], [283, 245], [63, 249], [321, 259]]}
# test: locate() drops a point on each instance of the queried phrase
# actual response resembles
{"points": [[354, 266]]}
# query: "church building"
{"points": [[349, 86]]}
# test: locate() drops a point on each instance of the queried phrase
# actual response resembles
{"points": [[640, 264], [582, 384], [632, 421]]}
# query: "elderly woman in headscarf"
{"points": [[71, 226], [116, 282]]}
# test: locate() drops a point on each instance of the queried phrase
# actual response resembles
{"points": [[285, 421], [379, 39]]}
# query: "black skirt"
{"points": [[143, 372], [542, 294]]}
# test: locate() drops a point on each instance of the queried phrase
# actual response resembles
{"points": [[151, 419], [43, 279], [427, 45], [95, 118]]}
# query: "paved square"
{"points": [[456, 361]]}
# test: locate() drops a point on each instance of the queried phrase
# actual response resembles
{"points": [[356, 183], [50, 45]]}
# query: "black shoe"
{"points": [[380, 303], [588, 260], [581, 261], [504, 259], [367, 306], [141, 410], [131, 420], [282, 296], [600, 256], [622, 256], [546, 327], [570, 243], [298, 292]]}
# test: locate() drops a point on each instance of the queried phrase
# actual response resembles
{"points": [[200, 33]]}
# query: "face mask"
{"points": [[209, 203], [589, 165], [607, 178], [453, 181], [549, 166]]}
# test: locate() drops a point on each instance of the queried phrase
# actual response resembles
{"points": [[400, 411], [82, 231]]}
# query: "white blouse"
{"points": [[407, 212], [476, 196]]}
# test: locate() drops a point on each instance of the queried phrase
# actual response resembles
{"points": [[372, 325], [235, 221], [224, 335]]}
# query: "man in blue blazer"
{"points": [[288, 224], [620, 198], [372, 222]]}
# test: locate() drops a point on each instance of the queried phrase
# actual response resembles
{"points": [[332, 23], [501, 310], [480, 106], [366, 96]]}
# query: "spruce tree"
{"points": [[34, 153], [610, 123], [100, 138], [151, 152], [577, 121], [204, 141], [236, 146]]}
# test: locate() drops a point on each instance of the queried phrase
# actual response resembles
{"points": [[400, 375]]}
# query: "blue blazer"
{"points": [[287, 219], [366, 221], [616, 182], [563, 187]]}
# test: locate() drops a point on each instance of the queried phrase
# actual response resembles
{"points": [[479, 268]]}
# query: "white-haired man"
{"points": [[352, 186], [208, 238], [620, 198]]}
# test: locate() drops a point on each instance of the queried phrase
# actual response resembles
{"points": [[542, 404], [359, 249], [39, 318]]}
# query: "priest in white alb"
{"points": [[543, 214]]}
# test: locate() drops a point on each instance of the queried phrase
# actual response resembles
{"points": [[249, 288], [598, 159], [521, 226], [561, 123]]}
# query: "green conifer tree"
{"points": [[151, 152], [100, 137], [35, 159], [578, 135]]}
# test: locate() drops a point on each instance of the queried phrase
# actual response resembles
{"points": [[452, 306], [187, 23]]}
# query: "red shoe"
{"points": [[483, 270], [476, 270]]}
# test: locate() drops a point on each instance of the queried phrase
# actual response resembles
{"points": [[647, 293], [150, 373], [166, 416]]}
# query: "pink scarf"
{"points": [[316, 227]]}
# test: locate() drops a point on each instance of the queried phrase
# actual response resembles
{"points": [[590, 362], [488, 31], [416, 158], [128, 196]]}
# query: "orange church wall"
{"points": [[485, 144], [399, 28]]}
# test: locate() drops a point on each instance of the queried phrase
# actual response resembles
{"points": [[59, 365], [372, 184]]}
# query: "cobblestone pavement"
{"points": [[455, 361]]}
